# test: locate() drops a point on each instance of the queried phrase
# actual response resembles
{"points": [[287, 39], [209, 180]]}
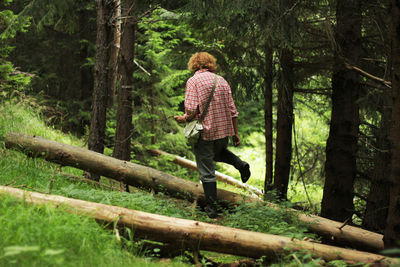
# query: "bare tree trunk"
{"points": [[377, 207], [283, 153], [284, 122], [153, 113], [122, 148], [268, 118], [141, 176], [341, 148], [86, 73], [392, 231], [198, 235], [114, 50], [120, 170], [100, 90]]}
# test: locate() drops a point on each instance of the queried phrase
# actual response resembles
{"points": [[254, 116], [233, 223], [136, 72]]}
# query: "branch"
{"points": [[319, 91], [373, 147], [344, 224], [142, 68], [368, 75]]}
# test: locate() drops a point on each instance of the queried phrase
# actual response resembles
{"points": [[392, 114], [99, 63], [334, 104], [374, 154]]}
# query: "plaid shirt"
{"points": [[218, 121]]}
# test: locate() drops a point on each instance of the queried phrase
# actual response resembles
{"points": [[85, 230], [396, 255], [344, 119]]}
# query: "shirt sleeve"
{"points": [[191, 97], [232, 107]]}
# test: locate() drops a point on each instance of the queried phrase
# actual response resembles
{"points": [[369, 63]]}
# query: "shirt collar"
{"points": [[201, 70]]}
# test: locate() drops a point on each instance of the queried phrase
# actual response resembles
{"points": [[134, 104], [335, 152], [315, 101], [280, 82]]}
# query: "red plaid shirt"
{"points": [[218, 121]]}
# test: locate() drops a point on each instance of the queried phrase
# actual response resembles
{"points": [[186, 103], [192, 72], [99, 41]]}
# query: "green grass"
{"points": [[24, 119], [44, 236]]}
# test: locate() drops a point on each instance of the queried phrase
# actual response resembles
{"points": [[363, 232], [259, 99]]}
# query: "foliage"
{"points": [[55, 50], [160, 81], [12, 81], [47, 235], [46, 62]]}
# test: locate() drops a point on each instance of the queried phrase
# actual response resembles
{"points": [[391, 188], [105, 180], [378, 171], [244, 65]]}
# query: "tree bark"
{"points": [[284, 121], [392, 231], [377, 207], [197, 235], [283, 153], [122, 148], [268, 118], [137, 175], [130, 173], [100, 89], [115, 22], [341, 148], [220, 176], [85, 73], [153, 114]]}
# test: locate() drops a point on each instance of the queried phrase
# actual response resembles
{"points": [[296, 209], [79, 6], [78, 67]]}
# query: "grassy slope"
{"points": [[38, 236]]}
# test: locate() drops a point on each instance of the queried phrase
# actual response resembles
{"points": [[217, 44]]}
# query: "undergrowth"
{"points": [[44, 236]]}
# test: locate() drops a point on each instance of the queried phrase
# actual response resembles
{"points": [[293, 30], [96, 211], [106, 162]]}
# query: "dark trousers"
{"points": [[207, 152]]}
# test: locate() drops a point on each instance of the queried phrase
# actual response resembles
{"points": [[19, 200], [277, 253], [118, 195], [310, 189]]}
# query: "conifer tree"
{"points": [[341, 147], [392, 231], [122, 148], [100, 90]]}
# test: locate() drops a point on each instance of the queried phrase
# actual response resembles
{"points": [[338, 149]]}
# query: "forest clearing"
{"points": [[296, 163]]}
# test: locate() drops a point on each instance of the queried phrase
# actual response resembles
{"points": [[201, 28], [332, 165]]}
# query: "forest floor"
{"points": [[44, 236]]}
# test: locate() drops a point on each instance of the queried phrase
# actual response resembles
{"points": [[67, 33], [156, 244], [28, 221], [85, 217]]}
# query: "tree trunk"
{"points": [[341, 148], [130, 173], [284, 125], [122, 148], [268, 118], [283, 153], [377, 207], [193, 166], [392, 231], [86, 73], [153, 114], [100, 90], [197, 235], [376, 210], [138, 175], [114, 50]]}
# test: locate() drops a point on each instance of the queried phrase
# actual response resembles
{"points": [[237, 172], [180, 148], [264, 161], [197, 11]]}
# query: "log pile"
{"points": [[197, 235], [141, 176]]}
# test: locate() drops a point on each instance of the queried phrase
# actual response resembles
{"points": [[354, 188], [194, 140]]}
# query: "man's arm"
{"points": [[187, 117], [235, 138]]}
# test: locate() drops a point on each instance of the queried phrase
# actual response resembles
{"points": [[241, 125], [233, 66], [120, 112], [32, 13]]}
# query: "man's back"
{"points": [[218, 121]]}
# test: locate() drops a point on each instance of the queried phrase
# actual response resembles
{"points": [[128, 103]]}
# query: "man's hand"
{"points": [[180, 119], [236, 140]]}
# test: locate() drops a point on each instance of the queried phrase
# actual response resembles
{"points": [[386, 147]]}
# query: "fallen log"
{"points": [[220, 176], [197, 235], [138, 175], [320, 225], [130, 173]]}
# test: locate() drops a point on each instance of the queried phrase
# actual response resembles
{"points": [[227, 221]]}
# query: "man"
{"points": [[219, 123]]}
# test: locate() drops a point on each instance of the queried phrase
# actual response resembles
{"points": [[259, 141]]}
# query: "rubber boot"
{"points": [[228, 157], [245, 172], [210, 192]]}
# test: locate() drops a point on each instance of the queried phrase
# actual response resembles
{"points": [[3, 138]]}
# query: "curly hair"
{"points": [[202, 60]]}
